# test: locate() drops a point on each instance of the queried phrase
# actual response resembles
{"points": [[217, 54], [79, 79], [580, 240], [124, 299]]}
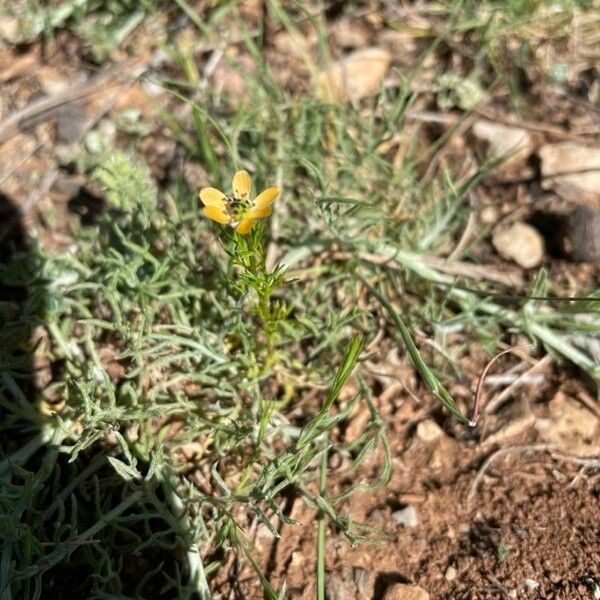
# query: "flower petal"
{"points": [[213, 197], [245, 225], [259, 213], [242, 185], [214, 213], [266, 198]]}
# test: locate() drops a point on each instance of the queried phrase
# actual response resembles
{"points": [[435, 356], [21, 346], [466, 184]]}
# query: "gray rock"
{"points": [[583, 234]]}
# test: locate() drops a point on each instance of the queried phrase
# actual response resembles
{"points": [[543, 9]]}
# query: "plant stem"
{"points": [[197, 574], [321, 531]]}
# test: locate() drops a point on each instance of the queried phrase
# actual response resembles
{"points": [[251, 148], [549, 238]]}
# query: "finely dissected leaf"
{"points": [[126, 472]]}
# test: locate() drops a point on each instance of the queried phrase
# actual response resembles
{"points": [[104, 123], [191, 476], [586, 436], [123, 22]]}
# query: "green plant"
{"points": [[104, 24], [206, 358], [194, 373]]}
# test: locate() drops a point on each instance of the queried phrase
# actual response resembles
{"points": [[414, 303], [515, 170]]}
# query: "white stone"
{"points": [[408, 517], [356, 76], [520, 243], [450, 574]]}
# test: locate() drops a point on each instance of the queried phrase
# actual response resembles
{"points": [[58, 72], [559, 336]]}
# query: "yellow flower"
{"points": [[238, 211]]}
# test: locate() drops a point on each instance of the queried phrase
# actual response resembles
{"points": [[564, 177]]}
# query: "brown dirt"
{"points": [[504, 516]]}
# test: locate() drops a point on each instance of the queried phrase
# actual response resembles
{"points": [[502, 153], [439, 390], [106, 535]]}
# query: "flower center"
{"points": [[237, 208]]}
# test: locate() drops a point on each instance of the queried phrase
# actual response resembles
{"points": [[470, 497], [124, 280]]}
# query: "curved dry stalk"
{"points": [[479, 389]]}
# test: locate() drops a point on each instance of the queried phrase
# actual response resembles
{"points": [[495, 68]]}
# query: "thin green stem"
{"points": [[321, 531]]}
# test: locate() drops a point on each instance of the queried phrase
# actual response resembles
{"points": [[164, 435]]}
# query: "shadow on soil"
{"points": [[62, 534]]}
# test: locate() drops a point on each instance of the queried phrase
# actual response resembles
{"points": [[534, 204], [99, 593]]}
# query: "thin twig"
{"points": [[458, 268], [534, 126], [495, 403]]}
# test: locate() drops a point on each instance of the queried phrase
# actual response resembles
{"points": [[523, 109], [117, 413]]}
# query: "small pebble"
{"points": [[450, 574], [531, 584], [408, 517], [489, 215], [520, 243]]}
